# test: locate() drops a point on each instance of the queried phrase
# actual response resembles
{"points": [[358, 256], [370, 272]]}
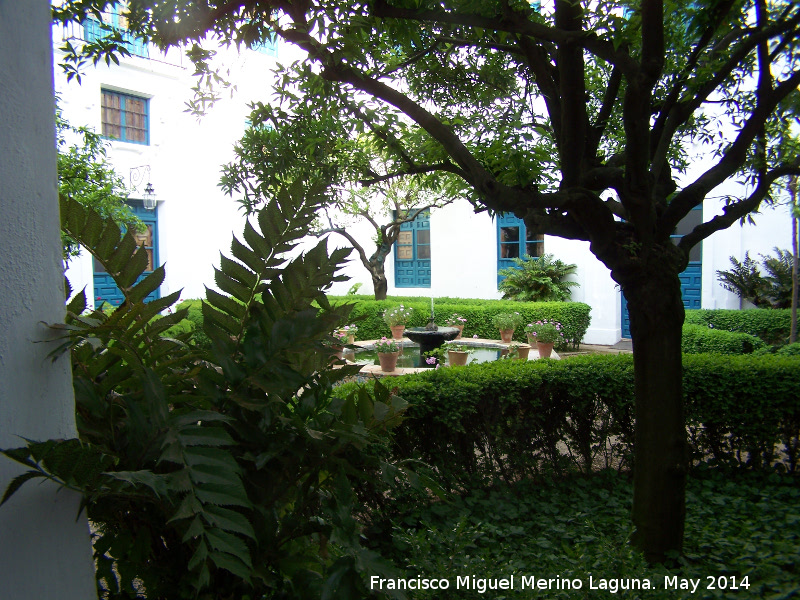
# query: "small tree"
{"points": [[386, 207], [539, 279]]}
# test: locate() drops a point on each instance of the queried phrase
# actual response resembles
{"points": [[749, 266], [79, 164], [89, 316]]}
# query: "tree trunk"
{"points": [[793, 209], [661, 450], [376, 267], [380, 285]]}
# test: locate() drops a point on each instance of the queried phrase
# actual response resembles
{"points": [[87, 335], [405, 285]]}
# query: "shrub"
{"points": [[789, 350], [772, 326], [512, 419], [540, 279], [698, 339], [771, 291]]}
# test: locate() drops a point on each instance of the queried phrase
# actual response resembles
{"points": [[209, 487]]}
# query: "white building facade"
{"points": [[452, 252]]}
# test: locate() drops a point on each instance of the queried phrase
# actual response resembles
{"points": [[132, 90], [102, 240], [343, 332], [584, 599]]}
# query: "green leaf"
{"points": [[17, 482]]}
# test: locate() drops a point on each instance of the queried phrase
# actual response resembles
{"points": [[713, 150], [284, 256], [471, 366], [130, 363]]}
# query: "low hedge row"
{"points": [[771, 325], [700, 339], [368, 315], [511, 419]]}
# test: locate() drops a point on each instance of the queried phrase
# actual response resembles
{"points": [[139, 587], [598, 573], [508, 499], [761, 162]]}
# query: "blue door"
{"points": [[412, 257], [105, 290], [691, 278]]}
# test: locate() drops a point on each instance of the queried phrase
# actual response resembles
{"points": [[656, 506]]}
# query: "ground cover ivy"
{"points": [[739, 524]]}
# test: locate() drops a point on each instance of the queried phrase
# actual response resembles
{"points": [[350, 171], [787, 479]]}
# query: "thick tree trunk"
{"points": [[793, 328], [661, 450], [376, 267], [380, 285]]}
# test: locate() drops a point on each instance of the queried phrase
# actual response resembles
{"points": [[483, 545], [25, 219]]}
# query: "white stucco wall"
{"points": [[45, 552], [195, 218]]}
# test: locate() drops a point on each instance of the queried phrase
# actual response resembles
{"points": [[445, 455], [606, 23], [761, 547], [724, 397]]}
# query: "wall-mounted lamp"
{"points": [[149, 198], [138, 175]]}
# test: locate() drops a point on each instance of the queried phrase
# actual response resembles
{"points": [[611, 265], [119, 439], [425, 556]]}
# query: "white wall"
{"points": [[196, 219], [45, 552]]}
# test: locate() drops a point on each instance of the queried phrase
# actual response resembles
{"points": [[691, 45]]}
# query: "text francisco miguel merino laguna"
{"points": [[534, 583]]}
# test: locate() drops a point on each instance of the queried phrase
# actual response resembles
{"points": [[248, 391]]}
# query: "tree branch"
{"points": [[677, 113], [606, 108], [517, 22], [730, 162], [446, 166], [737, 211]]}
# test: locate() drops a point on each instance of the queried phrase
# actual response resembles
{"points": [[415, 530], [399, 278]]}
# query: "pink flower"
{"points": [[475, 336], [431, 360]]}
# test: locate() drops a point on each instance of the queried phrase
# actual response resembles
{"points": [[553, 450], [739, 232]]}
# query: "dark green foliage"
{"points": [[789, 350], [508, 420], [540, 279], [773, 290], [772, 326], [699, 339], [367, 313], [224, 473], [738, 524]]}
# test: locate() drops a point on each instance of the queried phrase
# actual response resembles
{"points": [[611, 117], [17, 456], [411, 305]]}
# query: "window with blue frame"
{"points": [[412, 253], [113, 18], [515, 241], [125, 118]]}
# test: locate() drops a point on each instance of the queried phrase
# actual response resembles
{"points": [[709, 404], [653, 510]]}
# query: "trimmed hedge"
{"points": [[193, 322], [367, 314], [511, 419], [699, 339], [771, 325]]}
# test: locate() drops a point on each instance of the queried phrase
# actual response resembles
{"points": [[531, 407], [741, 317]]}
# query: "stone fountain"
{"points": [[430, 337]]}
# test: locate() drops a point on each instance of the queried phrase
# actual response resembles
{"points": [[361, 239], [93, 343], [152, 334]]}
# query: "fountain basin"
{"points": [[430, 340]]}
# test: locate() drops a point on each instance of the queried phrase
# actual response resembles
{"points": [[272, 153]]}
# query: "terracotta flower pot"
{"points": [[397, 331], [506, 335], [457, 358], [460, 331], [388, 360], [544, 349], [522, 351]]}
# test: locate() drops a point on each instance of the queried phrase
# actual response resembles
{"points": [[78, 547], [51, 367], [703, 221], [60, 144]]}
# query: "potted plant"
{"points": [[545, 335], [388, 352], [335, 344], [457, 321], [457, 354], [507, 323], [518, 351], [396, 318], [348, 332]]}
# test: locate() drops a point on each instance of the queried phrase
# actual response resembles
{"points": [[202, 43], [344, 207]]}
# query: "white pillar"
{"points": [[44, 551]]}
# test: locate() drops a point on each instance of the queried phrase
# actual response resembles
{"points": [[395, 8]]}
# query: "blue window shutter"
{"points": [[513, 241], [412, 253]]}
